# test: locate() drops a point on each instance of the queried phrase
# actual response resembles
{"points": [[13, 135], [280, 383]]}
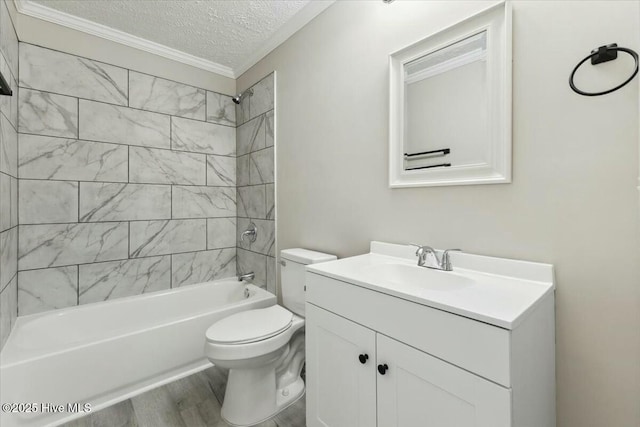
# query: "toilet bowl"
{"points": [[264, 348]]}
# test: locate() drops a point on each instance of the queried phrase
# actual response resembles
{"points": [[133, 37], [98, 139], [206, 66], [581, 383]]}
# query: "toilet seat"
{"points": [[250, 326]]}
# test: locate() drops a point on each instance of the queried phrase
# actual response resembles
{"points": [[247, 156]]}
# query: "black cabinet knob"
{"points": [[383, 369], [363, 358]]}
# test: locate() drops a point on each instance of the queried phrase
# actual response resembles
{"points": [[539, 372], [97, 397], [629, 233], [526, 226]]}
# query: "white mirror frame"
{"points": [[496, 20]]}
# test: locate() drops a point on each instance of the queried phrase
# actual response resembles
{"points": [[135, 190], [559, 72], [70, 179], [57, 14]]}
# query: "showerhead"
{"points": [[238, 98]]}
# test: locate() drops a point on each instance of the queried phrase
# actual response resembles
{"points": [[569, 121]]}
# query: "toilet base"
{"points": [[252, 397], [256, 394]]}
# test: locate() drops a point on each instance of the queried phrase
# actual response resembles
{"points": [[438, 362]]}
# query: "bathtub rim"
{"points": [[10, 356]]}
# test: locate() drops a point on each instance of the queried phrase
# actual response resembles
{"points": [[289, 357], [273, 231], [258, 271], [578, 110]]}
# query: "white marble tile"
{"points": [[5, 202], [8, 255], [261, 167], [269, 128], [8, 147], [9, 104], [44, 202], [167, 237], [253, 262], [44, 113], [242, 170], [221, 171], [199, 267], [251, 202], [109, 280], [14, 202], [151, 166], [202, 137], [203, 202], [221, 233], [166, 96], [124, 202], [122, 125], [58, 72], [47, 289], [271, 275], [43, 157], [266, 237], [221, 109], [65, 244], [251, 136], [8, 39], [8, 309], [263, 96], [270, 198]]}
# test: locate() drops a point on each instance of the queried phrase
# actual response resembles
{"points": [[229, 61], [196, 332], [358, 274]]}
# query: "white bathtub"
{"points": [[106, 352]]}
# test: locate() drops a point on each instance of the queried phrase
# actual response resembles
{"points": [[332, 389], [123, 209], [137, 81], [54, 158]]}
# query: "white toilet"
{"points": [[264, 348]]}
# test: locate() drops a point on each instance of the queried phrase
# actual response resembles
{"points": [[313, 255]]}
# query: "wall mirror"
{"points": [[450, 105]]}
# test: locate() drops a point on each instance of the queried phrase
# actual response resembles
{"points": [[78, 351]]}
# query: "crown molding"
{"points": [[300, 19], [36, 10], [292, 26]]}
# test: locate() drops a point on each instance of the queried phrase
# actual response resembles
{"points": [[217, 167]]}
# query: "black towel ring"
{"points": [[604, 54]]}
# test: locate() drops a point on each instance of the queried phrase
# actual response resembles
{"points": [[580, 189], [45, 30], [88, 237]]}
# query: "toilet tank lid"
{"points": [[305, 256]]}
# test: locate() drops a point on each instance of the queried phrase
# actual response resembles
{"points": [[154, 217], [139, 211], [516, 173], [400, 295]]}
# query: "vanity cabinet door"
{"points": [[341, 371], [417, 389]]}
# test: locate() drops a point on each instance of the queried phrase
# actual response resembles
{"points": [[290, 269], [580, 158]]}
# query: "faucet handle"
{"points": [[251, 232], [420, 248], [421, 253], [446, 260]]}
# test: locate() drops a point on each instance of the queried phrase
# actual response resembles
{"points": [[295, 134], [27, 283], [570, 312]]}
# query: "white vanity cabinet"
{"points": [[359, 378], [420, 390], [377, 359], [341, 374]]}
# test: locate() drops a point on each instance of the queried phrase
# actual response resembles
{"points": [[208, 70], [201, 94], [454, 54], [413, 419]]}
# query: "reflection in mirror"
{"points": [[446, 105]]}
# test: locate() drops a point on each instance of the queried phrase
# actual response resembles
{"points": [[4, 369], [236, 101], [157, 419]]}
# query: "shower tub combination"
{"points": [[107, 352]]}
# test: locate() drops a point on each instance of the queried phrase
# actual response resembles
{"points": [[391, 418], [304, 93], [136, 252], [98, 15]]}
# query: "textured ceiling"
{"points": [[225, 32]]}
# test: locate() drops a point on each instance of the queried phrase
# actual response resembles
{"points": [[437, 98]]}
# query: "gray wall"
{"points": [[573, 201], [8, 176], [255, 172], [127, 182]]}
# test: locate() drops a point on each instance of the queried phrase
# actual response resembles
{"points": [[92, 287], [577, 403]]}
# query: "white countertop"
{"points": [[503, 293]]}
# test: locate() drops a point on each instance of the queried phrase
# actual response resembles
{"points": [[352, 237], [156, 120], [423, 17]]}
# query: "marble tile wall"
{"points": [[8, 177], [127, 183], [255, 181]]}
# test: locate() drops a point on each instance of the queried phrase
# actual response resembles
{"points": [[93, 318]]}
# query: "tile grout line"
{"points": [[148, 147], [133, 183], [113, 104]]}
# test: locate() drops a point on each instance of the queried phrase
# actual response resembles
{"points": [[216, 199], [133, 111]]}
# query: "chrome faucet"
{"points": [[247, 276], [443, 264]]}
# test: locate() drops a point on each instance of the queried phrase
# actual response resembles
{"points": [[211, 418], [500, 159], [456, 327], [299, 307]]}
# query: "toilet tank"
{"points": [[292, 269]]}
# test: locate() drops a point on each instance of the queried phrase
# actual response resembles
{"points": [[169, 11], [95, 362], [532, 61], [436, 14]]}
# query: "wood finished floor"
{"points": [[193, 401]]}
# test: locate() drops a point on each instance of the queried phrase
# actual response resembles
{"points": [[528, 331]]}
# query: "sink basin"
{"points": [[436, 280]]}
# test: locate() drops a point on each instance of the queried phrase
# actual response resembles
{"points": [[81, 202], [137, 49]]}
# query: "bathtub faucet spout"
{"points": [[247, 276]]}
